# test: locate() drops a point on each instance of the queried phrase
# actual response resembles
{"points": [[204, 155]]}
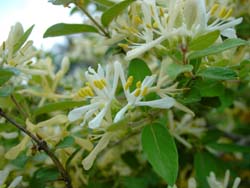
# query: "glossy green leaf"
{"points": [[43, 176], [5, 91], [139, 70], [114, 11], [214, 49], [23, 39], [161, 152], [61, 29], [204, 41], [209, 88], [174, 69], [6, 74], [61, 2], [62, 105], [105, 3], [66, 142], [229, 147], [218, 73]]}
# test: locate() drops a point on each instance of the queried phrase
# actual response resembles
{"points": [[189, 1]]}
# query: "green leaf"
{"points": [[61, 29], [114, 11], [6, 91], [214, 49], [134, 182], [42, 176], [62, 105], [204, 41], [6, 74], [229, 147], [61, 2], [218, 73], [209, 88], [205, 163], [174, 69], [23, 39], [105, 3], [66, 142], [160, 148], [139, 70]]}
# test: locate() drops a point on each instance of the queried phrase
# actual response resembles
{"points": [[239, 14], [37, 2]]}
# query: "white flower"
{"points": [[187, 126], [134, 98], [214, 183], [180, 19], [4, 175], [100, 89]]}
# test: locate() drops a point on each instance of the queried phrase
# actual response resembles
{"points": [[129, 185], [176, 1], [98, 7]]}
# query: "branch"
{"points": [[93, 20], [42, 145]]}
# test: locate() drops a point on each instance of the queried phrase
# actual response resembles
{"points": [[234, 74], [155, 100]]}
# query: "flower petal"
{"points": [[164, 103]]}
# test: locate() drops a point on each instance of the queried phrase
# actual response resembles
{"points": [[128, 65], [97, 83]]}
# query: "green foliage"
{"points": [[161, 152], [204, 41], [114, 11], [66, 142], [61, 29], [7, 73], [217, 48], [174, 69], [204, 164], [139, 70], [218, 73], [62, 105], [23, 39], [43, 176]]}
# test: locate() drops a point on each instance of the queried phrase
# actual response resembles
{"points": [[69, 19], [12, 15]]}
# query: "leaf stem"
{"points": [[42, 145], [20, 109], [93, 20]]}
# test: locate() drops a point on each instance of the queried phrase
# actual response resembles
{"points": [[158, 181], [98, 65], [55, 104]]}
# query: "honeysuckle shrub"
{"points": [[152, 93]]}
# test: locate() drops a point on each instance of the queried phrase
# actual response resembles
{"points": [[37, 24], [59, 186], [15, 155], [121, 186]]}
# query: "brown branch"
{"points": [[42, 145]]}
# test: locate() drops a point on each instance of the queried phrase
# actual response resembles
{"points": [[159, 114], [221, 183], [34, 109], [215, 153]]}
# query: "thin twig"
{"points": [[93, 20], [20, 109], [42, 145]]}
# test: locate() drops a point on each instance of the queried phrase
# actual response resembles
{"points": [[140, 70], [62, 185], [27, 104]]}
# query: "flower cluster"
{"points": [[172, 21], [101, 89]]}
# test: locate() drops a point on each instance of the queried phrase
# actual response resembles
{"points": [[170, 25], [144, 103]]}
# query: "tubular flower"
{"points": [[178, 20], [214, 183], [135, 97], [100, 89]]}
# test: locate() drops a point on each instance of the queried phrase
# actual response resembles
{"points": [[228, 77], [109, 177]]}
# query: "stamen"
{"points": [[137, 20], [138, 84], [229, 13], [90, 91], [148, 26], [129, 82], [125, 46], [214, 9], [145, 91], [82, 93], [152, 10], [161, 12], [104, 83], [155, 25], [223, 12], [99, 84], [137, 92]]}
